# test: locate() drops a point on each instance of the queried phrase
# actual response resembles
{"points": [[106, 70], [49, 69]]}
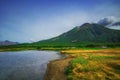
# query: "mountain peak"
{"points": [[90, 25], [86, 24]]}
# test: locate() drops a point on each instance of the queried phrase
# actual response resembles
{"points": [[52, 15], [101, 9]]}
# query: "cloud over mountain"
{"points": [[110, 22]]}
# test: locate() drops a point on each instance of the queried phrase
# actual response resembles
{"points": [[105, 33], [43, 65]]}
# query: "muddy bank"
{"points": [[56, 69]]}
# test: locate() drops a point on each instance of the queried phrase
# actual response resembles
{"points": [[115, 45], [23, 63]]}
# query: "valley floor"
{"points": [[83, 64]]}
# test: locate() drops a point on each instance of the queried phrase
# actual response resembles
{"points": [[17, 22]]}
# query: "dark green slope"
{"points": [[86, 33]]}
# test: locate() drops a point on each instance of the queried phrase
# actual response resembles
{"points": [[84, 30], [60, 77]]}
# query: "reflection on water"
{"points": [[25, 65]]}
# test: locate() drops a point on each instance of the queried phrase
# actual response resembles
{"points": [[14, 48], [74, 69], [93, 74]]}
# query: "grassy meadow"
{"points": [[102, 64]]}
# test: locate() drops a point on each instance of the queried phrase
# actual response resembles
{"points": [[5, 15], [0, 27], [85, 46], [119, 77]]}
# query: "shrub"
{"points": [[68, 70]]}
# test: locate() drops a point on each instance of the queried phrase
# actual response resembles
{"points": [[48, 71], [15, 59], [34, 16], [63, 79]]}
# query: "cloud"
{"points": [[105, 21], [115, 27], [110, 22]]}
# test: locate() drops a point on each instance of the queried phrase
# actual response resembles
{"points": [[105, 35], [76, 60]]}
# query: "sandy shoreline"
{"points": [[56, 69]]}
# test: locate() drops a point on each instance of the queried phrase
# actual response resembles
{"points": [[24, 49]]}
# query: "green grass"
{"points": [[79, 60]]}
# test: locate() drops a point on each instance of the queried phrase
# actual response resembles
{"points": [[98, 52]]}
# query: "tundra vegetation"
{"points": [[101, 64]]}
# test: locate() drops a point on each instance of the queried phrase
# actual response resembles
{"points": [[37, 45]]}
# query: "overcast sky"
{"points": [[34, 20]]}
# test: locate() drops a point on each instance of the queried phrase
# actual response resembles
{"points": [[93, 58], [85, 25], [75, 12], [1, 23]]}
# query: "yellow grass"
{"points": [[92, 51], [102, 64]]}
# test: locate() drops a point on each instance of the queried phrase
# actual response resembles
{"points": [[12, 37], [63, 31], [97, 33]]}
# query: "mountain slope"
{"points": [[86, 33]]}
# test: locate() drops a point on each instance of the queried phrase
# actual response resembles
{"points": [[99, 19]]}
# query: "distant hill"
{"points": [[86, 33], [6, 42]]}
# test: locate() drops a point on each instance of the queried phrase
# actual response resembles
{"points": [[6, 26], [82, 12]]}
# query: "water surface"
{"points": [[25, 65]]}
